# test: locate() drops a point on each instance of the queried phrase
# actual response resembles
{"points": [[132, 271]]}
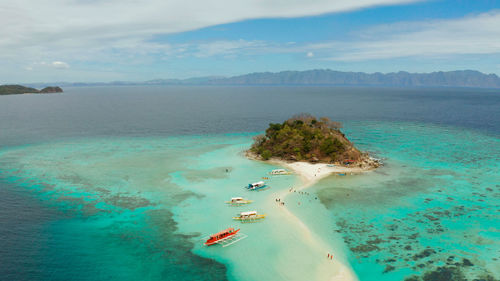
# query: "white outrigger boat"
{"points": [[256, 185], [279, 172], [237, 201], [251, 216]]}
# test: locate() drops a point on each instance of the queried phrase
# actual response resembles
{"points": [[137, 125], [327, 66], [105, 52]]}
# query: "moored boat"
{"points": [[238, 201], [249, 216], [256, 185], [221, 236], [279, 172]]}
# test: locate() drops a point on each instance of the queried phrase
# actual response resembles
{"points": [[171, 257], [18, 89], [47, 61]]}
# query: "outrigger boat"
{"points": [[249, 216], [222, 236], [256, 185], [279, 172], [236, 201]]}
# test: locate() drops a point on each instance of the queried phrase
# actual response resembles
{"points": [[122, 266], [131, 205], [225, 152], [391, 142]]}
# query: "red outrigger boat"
{"points": [[221, 236]]}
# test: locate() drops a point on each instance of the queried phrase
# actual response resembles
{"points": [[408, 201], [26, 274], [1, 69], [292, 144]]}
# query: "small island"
{"points": [[310, 146], [18, 89]]}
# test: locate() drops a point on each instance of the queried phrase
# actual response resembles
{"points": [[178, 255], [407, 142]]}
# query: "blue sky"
{"points": [[108, 40]]}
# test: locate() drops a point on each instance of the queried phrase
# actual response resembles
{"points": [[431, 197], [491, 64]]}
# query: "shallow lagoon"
{"points": [[87, 199], [149, 200]]}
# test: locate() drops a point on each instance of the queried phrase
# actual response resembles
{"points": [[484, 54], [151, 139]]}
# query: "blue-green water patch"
{"points": [[115, 198], [431, 213], [136, 208]]}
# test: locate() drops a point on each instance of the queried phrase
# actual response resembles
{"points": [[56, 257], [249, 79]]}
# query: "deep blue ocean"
{"points": [[48, 236]]}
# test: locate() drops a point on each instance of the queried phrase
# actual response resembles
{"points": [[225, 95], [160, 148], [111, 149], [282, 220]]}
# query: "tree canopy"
{"points": [[304, 137]]}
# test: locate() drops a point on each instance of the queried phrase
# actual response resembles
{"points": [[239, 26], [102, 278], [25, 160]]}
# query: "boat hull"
{"points": [[257, 188], [239, 203], [211, 242], [250, 219], [280, 174]]}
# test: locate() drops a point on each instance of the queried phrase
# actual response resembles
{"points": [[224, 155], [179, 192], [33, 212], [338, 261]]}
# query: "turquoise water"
{"points": [[148, 201], [435, 203], [119, 198], [122, 185]]}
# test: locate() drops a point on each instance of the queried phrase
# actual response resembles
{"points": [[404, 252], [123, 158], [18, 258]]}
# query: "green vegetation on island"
{"points": [[47, 90], [305, 138], [18, 89]]}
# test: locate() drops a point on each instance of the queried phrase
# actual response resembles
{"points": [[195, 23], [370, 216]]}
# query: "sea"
{"points": [[124, 183]]}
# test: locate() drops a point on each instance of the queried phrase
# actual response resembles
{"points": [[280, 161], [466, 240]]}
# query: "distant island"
{"points": [[327, 77], [18, 89], [305, 138]]}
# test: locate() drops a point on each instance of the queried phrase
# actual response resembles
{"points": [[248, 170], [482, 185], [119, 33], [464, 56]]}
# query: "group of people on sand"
{"points": [[278, 200], [291, 189], [299, 192], [330, 256]]}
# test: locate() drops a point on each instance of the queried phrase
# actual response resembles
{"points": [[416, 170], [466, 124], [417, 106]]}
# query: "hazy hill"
{"points": [[460, 78]]}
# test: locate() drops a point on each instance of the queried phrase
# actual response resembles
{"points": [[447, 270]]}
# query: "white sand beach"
{"points": [[310, 174]]}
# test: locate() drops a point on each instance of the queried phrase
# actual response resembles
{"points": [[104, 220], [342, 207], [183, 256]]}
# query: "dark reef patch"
{"points": [[444, 274], [364, 248], [440, 274], [402, 237], [389, 268]]}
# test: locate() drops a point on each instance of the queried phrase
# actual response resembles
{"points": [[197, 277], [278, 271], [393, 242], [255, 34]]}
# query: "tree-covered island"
{"points": [[305, 138], [18, 89]]}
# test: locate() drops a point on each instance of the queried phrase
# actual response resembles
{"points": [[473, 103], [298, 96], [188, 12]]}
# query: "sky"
{"points": [[132, 40]]}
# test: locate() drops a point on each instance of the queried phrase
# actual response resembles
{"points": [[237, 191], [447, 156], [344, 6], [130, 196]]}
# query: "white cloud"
{"points": [[120, 31], [44, 28], [471, 35], [60, 65], [227, 47], [476, 34]]}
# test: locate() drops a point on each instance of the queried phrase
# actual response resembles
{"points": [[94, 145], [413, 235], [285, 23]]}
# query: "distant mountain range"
{"points": [[459, 78]]}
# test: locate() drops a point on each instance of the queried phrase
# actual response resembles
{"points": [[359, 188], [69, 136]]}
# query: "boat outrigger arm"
{"points": [[232, 239]]}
